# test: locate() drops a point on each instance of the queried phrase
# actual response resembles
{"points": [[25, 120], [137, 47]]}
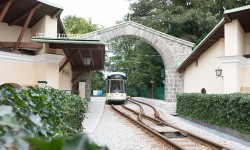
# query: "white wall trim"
{"points": [[37, 59], [234, 59]]}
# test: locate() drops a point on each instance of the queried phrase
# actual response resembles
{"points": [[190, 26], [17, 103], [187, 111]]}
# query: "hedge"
{"points": [[224, 110], [42, 119], [53, 113]]}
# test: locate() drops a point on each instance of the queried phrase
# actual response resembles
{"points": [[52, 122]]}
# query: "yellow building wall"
{"points": [[48, 72], [65, 76], [203, 75], [247, 43], [27, 70], [20, 73], [246, 76], [11, 33], [234, 39]]}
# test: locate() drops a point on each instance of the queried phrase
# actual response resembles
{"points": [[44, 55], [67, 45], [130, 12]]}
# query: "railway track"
{"points": [[172, 136]]}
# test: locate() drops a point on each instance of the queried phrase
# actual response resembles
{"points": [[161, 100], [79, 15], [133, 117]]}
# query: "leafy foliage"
{"points": [[140, 61], [79, 25], [79, 142], [46, 112], [187, 19], [225, 110], [97, 81], [15, 136]]}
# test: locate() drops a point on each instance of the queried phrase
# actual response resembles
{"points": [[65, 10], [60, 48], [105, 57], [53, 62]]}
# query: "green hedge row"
{"points": [[225, 110], [46, 112]]}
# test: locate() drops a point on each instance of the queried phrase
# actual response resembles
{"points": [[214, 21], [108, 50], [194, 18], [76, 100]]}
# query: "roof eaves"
{"points": [[67, 41], [237, 9], [202, 42], [51, 4], [61, 24]]}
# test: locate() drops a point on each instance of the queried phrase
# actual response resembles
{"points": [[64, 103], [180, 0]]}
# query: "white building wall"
{"points": [[203, 75]]}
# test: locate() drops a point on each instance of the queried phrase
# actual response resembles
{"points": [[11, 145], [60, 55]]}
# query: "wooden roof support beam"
{"points": [[102, 53], [31, 13], [31, 45], [80, 54], [5, 9], [57, 14], [26, 13], [67, 55], [227, 18], [86, 69], [92, 58], [73, 46], [65, 63]]}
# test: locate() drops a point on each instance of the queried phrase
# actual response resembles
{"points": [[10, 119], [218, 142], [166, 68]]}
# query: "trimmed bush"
{"points": [[46, 112], [225, 110]]}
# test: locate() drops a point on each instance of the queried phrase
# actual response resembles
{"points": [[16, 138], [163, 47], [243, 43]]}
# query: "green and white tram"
{"points": [[116, 87]]}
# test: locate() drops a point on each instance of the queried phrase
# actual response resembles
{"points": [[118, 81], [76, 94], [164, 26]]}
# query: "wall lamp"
{"points": [[86, 61], [218, 73]]}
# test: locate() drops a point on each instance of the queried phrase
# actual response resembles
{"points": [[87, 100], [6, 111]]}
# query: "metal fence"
{"points": [[147, 93]]}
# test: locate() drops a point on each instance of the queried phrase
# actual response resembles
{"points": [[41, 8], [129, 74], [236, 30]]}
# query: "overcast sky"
{"points": [[104, 12]]}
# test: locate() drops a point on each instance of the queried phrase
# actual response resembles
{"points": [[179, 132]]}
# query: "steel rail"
{"points": [[196, 138], [166, 140]]}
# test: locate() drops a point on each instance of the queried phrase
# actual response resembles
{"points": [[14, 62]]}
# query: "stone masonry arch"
{"points": [[172, 50]]}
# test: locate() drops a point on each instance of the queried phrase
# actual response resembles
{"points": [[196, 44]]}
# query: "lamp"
{"points": [[218, 72], [86, 61]]}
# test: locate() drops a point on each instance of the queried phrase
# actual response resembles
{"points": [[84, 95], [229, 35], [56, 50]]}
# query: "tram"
{"points": [[116, 87]]}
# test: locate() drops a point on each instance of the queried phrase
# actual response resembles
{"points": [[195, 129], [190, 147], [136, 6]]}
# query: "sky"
{"points": [[104, 12]]}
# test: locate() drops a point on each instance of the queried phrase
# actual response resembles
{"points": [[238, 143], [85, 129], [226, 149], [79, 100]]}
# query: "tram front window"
{"points": [[117, 86]]}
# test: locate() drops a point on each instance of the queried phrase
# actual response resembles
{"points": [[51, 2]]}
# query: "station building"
{"points": [[221, 62], [34, 47]]}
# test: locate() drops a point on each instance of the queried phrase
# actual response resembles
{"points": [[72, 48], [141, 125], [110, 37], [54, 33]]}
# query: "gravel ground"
{"points": [[118, 133]]}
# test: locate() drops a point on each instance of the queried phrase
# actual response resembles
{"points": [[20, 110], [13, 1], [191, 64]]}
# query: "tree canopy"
{"points": [[79, 25], [187, 19]]}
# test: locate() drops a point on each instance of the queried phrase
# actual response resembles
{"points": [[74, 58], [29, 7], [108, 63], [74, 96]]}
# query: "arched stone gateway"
{"points": [[172, 50]]}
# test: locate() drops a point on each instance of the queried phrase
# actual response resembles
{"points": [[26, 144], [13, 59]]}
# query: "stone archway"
{"points": [[172, 50]]}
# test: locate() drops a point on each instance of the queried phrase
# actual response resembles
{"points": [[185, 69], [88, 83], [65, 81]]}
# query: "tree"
{"points": [[190, 20], [97, 80], [79, 25], [139, 60]]}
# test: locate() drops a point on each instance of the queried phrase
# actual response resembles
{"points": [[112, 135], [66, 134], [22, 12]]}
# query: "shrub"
{"points": [[14, 136], [53, 113], [225, 110]]}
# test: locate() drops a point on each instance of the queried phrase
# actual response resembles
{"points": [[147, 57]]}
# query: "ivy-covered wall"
{"points": [[225, 110]]}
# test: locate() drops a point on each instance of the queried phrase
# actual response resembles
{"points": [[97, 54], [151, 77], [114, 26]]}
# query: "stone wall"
{"points": [[82, 76]]}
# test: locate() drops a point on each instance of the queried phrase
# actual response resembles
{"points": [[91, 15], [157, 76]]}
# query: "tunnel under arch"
{"points": [[172, 50]]}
